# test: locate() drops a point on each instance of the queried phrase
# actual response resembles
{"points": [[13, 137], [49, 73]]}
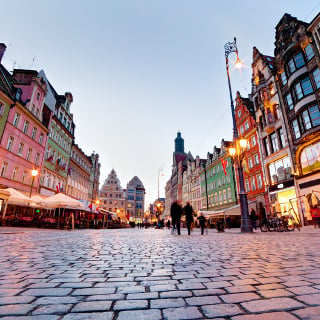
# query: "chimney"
{"points": [[2, 50]]}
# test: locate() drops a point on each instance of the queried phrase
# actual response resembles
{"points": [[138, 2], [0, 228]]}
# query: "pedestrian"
{"points": [[188, 211], [315, 217], [176, 212], [253, 218], [202, 222], [168, 224], [262, 213], [228, 222]]}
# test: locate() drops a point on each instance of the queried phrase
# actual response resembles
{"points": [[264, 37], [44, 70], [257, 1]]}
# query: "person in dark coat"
{"points": [[202, 222], [253, 218], [176, 212], [188, 211]]}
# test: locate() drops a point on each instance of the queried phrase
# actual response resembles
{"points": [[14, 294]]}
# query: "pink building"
{"points": [[23, 143]]}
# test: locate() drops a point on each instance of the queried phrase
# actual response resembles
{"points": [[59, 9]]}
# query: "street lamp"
{"points": [[238, 150], [34, 173]]}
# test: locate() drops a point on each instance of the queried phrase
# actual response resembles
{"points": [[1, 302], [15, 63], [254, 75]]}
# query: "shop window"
{"points": [[310, 158], [280, 170]]}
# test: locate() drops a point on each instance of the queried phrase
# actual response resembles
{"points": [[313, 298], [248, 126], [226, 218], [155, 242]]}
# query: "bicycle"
{"points": [[269, 224]]}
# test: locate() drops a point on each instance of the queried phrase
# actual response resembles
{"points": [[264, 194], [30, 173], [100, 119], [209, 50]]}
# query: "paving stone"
{"points": [[132, 289], [186, 313], [310, 299], [16, 299], [92, 306], [113, 296], [266, 316], [15, 309], [140, 315], [239, 297], [217, 284], [310, 313], [176, 294], [221, 310], [130, 305], [52, 309], [273, 304], [199, 301], [41, 317], [167, 303], [141, 296], [89, 316], [207, 292], [275, 293], [92, 291], [56, 300], [237, 289], [47, 292], [303, 290]]}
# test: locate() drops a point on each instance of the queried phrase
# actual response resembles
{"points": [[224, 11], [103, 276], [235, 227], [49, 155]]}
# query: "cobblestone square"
{"points": [[152, 274]]}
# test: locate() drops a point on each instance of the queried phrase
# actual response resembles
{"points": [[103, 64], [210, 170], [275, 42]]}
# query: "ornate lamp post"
{"points": [[238, 150]]}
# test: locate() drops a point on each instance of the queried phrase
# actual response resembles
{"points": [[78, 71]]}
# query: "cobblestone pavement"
{"points": [[133, 274]]}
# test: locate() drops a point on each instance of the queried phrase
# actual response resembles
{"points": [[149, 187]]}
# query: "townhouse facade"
{"points": [[135, 199]]}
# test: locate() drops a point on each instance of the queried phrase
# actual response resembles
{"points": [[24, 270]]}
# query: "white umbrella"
{"points": [[61, 200], [17, 197]]}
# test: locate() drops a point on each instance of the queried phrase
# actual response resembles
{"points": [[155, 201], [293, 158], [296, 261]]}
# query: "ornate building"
{"points": [[135, 199], [112, 196], [298, 82]]}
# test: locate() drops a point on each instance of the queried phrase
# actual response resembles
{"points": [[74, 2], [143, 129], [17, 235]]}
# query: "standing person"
{"points": [[188, 211], [253, 218], [202, 222], [176, 212], [262, 213]]}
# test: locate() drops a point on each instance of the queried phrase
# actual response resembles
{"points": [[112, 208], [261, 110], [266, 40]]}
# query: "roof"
{"points": [[6, 82]]}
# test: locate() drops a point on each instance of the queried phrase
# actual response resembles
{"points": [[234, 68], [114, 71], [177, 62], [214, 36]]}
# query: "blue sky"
{"points": [[141, 70]]}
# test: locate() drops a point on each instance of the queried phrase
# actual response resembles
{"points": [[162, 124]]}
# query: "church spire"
{"points": [[179, 144]]}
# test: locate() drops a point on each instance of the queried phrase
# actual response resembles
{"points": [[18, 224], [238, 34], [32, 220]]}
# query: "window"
{"points": [[36, 159], [20, 149], [303, 88], [37, 112], [306, 120], [239, 113], [229, 194], [296, 129], [284, 78], [16, 119], [25, 127], [256, 159], [316, 77], [310, 158], [314, 115], [2, 107], [281, 136], [220, 196], [241, 130], [4, 169], [266, 146], [34, 132], [247, 185], [15, 173], [29, 154], [246, 125], [250, 163], [296, 62], [253, 140], [309, 52], [274, 142], [259, 181], [41, 138], [280, 170], [24, 174], [10, 143], [289, 101], [253, 183], [224, 195]]}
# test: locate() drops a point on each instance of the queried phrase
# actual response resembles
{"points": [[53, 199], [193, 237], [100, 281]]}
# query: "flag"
{"points": [[90, 206], [58, 187], [128, 216], [224, 165]]}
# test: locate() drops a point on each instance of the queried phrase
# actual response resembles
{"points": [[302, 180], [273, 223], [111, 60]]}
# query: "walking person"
{"points": [[202, 222], [188, 211], [176, 212], [253, 218]]}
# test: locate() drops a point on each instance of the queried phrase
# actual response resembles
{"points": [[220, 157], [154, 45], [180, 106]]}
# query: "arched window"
{"points": [[310, 158]]}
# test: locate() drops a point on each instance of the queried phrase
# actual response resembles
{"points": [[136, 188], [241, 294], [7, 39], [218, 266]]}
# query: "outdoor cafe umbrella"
{"points": [[61, 200], [17, 198]]}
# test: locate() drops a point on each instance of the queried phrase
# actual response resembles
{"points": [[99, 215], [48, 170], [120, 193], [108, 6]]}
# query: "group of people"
{"points": [[176, 213]]}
